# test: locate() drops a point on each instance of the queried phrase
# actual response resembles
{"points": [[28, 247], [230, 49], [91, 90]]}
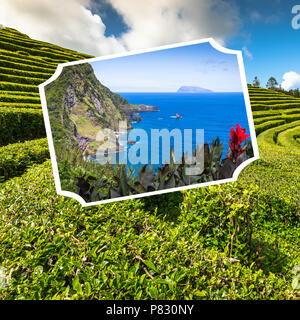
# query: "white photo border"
{"points": [[237, 171]]}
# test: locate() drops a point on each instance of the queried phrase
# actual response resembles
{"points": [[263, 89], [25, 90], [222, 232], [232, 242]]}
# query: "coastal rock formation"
{"points": [[136, 118]]}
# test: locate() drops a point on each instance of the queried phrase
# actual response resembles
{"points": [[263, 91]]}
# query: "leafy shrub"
{"points": [[267, 125], [20, 98], [16, 158], [22, 80], [18, 87], [258, 107], [20, 125], [11, 105], [7, 62], [55, 249], [23, 73]]}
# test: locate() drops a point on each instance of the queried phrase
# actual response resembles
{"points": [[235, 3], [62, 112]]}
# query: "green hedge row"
{"points": [[23, 73], [270, 136], [288, 137], [22, 80], [5, 63], [273, 98], [287, 118], [260, 107], [9, 86], [267, 125], [263, 91], [16, 158], [17, 58], [276, 101], [20, 125], [20, 99], [20, 105], [39, 45], [20, 93], [44, 53], [267, 119], [267, 113], [291, 111], [267, 94]]}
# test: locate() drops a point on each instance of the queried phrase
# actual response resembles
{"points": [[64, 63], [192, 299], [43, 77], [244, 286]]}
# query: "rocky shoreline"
{"points": [[132, 109], [131, 115]]}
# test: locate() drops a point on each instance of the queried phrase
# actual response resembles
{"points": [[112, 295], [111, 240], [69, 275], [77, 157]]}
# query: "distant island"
{"points": [[191, 89]]}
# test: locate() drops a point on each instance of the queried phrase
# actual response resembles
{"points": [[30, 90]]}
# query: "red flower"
{"points": [[236, 138]]}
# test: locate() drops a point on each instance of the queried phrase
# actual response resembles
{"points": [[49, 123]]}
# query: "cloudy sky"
{"points": [[169, 69], [262, 29]]}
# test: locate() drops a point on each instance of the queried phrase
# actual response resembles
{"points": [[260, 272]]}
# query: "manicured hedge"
{"points": [[19, 98], [272, 99], [20, 125], [268, 94], [22, 80], [270, 136], [44, 53], [23, 66], [268, 113], [39, 45], [20, 105], [259, 107], [23, 73], [165, 247], [20, 93], [17, 58], [288, 137], [18, 87], [265, 119], [267, 125], [16, 158], [265, 113], [287, 118], [276, 101]]}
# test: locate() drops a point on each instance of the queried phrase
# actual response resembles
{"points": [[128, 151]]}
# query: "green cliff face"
{"points": [[80, 107]]}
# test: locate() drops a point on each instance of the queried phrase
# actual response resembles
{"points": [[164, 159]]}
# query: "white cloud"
{"points": [[247, 52], [291, 80], [71, 23], [159, 22], [255, 16], [68, 23]]}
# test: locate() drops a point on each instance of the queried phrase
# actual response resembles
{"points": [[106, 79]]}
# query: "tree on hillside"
{"points": [[272, 83], [256, 82]]}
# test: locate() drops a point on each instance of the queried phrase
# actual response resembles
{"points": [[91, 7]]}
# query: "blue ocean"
{"points": [[216, 113]]}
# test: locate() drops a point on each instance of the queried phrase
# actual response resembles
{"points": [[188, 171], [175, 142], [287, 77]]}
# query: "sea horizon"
{"points": [[209, 111]]}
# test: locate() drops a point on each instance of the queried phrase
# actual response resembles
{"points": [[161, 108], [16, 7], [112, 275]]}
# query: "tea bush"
{"points": [[19, 124], [16, 158], [55, 249]]}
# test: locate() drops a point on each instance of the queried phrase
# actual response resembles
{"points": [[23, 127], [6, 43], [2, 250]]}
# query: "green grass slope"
{"points": [[233, 241]]}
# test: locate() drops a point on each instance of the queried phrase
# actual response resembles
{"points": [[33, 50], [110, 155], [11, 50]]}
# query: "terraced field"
{"points": [[179, 246]]}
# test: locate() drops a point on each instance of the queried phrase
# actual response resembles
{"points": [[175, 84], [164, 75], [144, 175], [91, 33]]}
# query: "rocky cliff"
{"points": [[80, 107]]}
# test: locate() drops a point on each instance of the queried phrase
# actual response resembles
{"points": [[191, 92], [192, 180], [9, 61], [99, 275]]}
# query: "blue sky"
{"points": [[167, 70], [261, 28], [266, 34]]}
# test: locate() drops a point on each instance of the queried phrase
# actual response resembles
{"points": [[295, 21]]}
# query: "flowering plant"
{"points": [[236, 150]]}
